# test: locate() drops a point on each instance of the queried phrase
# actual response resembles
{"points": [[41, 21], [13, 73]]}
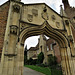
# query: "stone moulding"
{"points": [[10, 55]]}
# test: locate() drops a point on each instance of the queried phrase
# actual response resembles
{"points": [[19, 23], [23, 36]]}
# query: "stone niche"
{"points": [[16, 8]]}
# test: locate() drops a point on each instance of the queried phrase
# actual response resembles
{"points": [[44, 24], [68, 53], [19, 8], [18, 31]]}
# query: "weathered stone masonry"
{"points": [[53, 26]]}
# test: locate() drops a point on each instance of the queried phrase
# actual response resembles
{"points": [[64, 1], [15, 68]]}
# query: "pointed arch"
{"points": [[46, 29]]}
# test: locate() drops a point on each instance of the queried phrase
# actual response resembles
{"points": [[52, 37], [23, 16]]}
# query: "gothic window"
{"points": [[47, 48], [51, 46]]}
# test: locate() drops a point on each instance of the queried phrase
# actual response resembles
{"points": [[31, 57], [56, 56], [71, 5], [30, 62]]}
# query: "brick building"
{"points": [[3, 21]]}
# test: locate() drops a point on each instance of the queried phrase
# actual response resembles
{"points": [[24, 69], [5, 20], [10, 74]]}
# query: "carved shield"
{"points": [[30, 17]]}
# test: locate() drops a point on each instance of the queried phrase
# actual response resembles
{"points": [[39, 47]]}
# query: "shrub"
{"points": [[40, 58], [42, 65], [30, 61], [34, 62], [52, 60]]}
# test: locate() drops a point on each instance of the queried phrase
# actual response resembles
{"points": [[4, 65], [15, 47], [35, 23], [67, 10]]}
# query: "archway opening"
{"points": [[47, 30], [49, 47]]}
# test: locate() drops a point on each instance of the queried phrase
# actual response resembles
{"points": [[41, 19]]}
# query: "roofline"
{"points": [[44, 4], [18, 2], [32, 4], [4, 3]]}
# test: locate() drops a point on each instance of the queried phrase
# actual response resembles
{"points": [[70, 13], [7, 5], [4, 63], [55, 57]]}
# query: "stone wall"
{"points": [[3, 21]]}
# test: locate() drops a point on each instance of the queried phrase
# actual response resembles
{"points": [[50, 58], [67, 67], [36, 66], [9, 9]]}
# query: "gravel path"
{"points": [[28, 71]]}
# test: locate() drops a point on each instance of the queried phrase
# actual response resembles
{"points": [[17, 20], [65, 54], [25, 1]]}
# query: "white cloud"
{"points": [[31, 41], [2, 1], [52, 3], [72, 3], [55, 4]]}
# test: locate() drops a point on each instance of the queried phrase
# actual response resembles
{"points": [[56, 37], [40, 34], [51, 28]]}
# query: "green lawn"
{"points": [[56, 72], [43, 70]]}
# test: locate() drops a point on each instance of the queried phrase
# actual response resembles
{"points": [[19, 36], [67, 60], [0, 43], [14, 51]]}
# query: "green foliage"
{"points": [[25, 60], [52, 60], [55, 71], [40, 58], [44, 70], [30, 61], [42, 65], [34, 62]]}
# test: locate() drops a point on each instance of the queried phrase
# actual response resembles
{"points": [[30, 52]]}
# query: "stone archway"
{"points": [[49, 31], [28, 20]]}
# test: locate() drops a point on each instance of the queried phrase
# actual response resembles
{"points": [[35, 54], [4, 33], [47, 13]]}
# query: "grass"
{"points": [[56, 72], [43, 70]]}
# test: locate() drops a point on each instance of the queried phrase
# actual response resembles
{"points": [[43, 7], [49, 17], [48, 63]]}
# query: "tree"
{"points": [[52, 60], [40, 58]]}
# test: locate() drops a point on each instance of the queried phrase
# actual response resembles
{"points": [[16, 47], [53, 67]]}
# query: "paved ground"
{"points": [[28, 71]]}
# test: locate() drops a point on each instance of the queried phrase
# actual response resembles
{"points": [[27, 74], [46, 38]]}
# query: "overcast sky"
{"points": [[55, 4]]}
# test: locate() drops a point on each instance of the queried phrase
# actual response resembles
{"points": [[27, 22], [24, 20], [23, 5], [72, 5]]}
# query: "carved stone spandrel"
{"points": [[23, 26], [30, 17], [57, 24], [35, 12], [45, 14], [53, 17]]}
